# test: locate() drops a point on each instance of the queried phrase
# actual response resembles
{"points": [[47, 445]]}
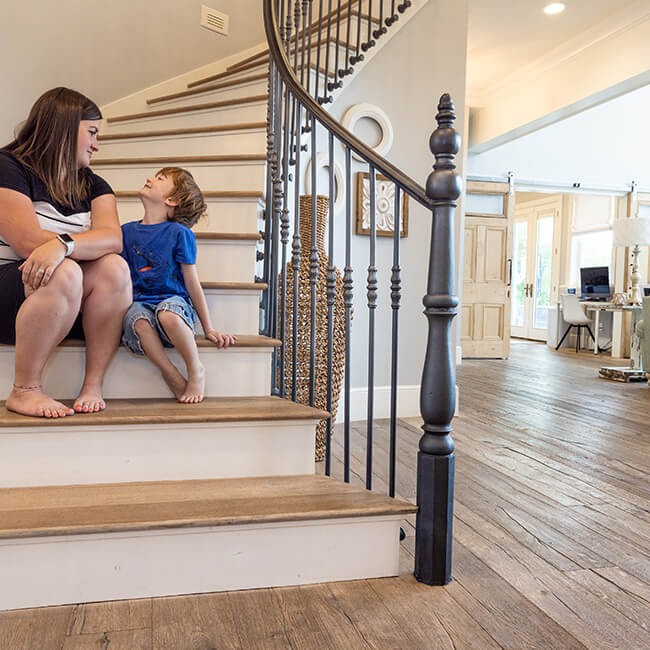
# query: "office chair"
{"points": [[574, 314]]}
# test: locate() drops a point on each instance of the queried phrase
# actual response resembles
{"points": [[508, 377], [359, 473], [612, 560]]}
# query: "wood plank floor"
{"points": [[552, 537]]}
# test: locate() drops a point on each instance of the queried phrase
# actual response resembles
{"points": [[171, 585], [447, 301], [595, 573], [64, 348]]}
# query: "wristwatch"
{"points": [[68, 242]]}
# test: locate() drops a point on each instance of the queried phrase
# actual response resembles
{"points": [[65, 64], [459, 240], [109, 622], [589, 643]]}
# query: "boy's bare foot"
{"points": [[89, 400], [36, 403], [175, 380], [193, 393]]}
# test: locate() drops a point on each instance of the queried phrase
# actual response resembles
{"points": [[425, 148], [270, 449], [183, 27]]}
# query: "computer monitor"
{"points": [[594, 281]]}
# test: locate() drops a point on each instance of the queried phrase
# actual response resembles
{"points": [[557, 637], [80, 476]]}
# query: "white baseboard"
{"points": [[408, 403], [459, 355]]}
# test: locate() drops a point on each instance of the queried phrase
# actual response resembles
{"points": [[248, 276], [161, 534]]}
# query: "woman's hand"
{"points": [[221, 340], [40, 265]]}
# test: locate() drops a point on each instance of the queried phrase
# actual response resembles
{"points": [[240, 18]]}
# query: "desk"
{"points": [[610, 306]]}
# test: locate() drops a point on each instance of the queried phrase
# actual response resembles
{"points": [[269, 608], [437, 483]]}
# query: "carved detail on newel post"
{"points": [[435, 489]]}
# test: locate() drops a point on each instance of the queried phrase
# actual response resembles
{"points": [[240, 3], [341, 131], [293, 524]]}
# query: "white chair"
{"points": [[574, 314]]}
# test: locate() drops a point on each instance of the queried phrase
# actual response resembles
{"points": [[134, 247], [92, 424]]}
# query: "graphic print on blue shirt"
{"points": [[154, 254]]}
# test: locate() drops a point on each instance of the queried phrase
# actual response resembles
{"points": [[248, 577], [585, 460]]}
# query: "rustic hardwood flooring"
{"points": [[552, 537]]}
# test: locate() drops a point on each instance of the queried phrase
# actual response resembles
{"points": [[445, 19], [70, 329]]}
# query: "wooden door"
{"points": [[487, 270]]}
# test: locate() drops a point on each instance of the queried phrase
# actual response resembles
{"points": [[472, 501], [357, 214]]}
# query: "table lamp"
{"points": [[633, 232]]}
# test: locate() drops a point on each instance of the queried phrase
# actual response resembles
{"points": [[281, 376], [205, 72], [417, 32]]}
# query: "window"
{"points": [[589, 249]]}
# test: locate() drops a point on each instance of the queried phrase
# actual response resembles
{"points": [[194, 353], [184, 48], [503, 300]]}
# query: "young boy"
{"points": [[161, 253]]}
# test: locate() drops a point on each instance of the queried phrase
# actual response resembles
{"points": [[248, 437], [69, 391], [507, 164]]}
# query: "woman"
{"points": [[60, 241]]}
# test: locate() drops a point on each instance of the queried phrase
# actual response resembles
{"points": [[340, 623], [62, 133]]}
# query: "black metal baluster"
{"points": [[295, 260], [313, 268], [325, 97], [296, 12], [394, 17], [395, 295], [304, 70], [435, 478], [309, 35], [348, 66], [331, 295], [381, 29], [372, 305], [404, 6], [358, 56], [318, 48], [347, 301], [333, 85], [370, 42]]}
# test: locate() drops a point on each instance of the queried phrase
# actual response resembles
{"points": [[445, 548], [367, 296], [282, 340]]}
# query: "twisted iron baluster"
{"points": [[331, 296], [347, 301], [395, 295], [313, 269], [435, 479], [372, 306]]}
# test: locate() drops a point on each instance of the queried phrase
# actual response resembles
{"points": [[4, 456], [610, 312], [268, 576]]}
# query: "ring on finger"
{"points": [[40, 271]]}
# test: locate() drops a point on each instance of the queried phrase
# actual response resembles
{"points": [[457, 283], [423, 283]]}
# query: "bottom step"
{"points": [[72, 544]]}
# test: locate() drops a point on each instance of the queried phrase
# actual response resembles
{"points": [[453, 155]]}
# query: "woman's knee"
{"points": [[115, 271], [67, 280]]}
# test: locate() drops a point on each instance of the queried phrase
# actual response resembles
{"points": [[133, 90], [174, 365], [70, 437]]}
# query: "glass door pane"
{"points": [[519, 274], [543, 255]]}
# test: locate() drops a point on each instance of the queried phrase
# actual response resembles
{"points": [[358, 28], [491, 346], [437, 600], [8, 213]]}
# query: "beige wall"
{"points": [[108, 50]]}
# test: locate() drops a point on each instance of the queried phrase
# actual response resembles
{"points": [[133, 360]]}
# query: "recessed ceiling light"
{"points": [[554, 8]]}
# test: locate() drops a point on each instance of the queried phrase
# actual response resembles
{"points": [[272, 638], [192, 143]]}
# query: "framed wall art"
{"points": [[384, 206]]}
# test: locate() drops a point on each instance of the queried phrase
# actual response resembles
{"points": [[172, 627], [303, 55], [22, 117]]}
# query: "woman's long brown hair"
{"points": [[47, 143]]}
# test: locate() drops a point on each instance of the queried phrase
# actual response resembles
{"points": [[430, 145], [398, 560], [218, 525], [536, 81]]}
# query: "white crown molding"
{"points": [[631, 15]]}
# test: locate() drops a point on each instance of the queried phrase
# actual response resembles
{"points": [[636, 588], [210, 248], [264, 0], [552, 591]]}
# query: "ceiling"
{"points": [[507, 35]]}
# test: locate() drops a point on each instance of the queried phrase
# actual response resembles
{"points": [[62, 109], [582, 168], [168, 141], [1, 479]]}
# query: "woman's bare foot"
{"points": [[89, 400], [175, 380], [34, 402], [193, 393]]}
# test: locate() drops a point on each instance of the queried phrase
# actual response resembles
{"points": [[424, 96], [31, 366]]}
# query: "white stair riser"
{"points": [[236, 312], [236, 114], [78, 455], [204, 144], [226, 260], [239, 176], [232, 372], [224, 215], [143, 564]]}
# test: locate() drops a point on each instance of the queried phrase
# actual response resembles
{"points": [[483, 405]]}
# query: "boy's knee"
{"points": [[141, 325], [168, 318]]}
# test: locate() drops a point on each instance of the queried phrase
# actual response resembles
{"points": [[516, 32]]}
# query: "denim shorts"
{"points": [[149, 311]]}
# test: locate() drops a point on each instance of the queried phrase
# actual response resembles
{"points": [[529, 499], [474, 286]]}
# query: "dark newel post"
{"points": [[435, 480]]}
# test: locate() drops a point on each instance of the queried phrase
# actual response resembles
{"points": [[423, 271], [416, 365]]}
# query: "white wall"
{"points": [[604, 146]]}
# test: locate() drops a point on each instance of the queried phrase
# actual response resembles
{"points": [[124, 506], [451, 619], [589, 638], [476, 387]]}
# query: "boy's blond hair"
{"points": [[191, 204]]}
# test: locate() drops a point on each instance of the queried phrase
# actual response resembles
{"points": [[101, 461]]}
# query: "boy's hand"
{"points": [[221, 340]]}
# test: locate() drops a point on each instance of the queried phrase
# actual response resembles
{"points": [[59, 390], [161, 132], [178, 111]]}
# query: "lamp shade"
{"points": [[632, 232]]}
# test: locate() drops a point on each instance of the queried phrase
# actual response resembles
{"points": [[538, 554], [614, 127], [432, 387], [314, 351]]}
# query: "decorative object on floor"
{"points": [[635, 232], [643, 333], [618, 373], [574, 315], [619, 299], [304, 320], [372, 112], [384, 206], [322, 161]]}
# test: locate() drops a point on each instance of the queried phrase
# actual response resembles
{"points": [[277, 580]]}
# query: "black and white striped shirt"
{"points": [[51, 215]]}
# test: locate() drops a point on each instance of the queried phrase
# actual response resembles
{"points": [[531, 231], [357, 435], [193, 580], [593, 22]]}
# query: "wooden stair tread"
{"points": [[169, 411], [185, 131], [208, 194], [232, 236], [161, 160], [197, 91], [236, 286], [69, 510], [187, 109]]}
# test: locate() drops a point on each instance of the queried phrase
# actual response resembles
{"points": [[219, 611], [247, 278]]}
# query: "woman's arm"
{"points": [[193, 286]]}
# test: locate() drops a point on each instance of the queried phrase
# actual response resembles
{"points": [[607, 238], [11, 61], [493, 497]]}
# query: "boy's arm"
{"points": [[193, 286]]}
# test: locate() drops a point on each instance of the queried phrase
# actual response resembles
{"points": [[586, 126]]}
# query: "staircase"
{"points": [[152, 497]]}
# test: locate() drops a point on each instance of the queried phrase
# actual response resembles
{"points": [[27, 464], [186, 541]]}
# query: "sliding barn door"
{"points": [[487, 270]]}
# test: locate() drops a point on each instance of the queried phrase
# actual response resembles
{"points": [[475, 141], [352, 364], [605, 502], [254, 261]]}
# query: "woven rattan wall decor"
{"points": [[304, 315]]}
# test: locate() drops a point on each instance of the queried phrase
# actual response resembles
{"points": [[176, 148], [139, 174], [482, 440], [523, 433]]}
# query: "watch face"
{"points": [[66, 238]]}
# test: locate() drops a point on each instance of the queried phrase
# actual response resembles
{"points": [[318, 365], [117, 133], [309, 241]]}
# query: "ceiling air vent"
{"points": [[214, 20]]}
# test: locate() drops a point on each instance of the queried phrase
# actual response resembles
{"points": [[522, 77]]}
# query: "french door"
{"points": [[532, 269]]}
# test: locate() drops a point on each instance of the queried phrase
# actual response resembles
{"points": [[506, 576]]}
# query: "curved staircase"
{"points": [[152, 497]]}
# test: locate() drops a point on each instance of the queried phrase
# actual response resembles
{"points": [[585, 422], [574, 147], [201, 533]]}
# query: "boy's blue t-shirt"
{"points": [[154, 254]]}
